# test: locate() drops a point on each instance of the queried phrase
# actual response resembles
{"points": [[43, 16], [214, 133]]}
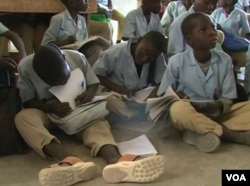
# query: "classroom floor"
{"points": [[186, 166]]}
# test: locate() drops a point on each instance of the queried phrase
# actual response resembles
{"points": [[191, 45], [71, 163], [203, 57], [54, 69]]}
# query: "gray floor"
{"points": [[186, 166]]}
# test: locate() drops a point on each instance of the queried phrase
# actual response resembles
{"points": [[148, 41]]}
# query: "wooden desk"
{"points": [[38, 6]]}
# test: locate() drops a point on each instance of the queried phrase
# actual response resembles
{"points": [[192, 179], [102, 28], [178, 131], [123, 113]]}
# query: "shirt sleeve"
{"points": [[160, 68], [90, 76], [105, 65], [228, 84], [26, 89], [170, 75], [176, 42], [244, 23], [51, 34], [129, 30], [3, 28], [167, 17]]}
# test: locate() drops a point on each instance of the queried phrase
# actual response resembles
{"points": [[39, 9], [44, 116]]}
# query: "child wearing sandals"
{"points": [[204, 73], [37, 76], [69, 27]]}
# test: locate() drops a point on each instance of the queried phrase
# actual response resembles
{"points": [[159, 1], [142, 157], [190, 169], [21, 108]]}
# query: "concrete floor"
{"points": [[186, 166]]}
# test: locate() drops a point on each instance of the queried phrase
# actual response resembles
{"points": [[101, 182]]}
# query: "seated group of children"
{"points": [[201, 75]]}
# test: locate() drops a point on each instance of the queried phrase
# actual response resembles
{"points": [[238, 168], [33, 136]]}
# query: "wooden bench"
{"points": [[15, 12]]}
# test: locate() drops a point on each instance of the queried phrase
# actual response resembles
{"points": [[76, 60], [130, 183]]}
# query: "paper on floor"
{"points": [[138, 146]]}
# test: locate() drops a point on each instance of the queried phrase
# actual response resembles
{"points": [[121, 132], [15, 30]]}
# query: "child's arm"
{"points": [[17, 41], [54, 106], [112, 86], [7, 63], [88, 95]]}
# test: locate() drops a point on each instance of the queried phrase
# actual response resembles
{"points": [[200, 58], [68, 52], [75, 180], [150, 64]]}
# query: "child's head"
{"points": [[50, 65], [199, 31], [227, 3], [152, 5], [205, 6], [78, 5], [149, 47]]}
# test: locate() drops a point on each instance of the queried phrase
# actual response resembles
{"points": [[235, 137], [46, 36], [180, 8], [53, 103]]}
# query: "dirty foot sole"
{"points": [[67, 175], [207, 142], [143, 170]]}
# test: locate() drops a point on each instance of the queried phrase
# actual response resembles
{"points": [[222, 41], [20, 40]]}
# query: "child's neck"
{"points": [[228, 9], [145, 11], [202, 56], [73, 14], [132, 49]]}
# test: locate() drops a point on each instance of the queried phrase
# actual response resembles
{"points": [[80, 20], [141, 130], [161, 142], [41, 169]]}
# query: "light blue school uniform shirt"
{"points": [[241, 4], [3, 28], [32, 87], [172, 11], [117, 65], [234, 22], [136, 24], [62, 26], [184, 73]]}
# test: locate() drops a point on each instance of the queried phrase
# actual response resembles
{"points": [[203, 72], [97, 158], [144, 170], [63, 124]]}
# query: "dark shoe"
{"points": [[205, 142]]}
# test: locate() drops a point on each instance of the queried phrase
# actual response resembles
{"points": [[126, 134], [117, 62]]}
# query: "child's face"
{"points": [[223, 3], [81, 5], [204, 35], [205, 6], [154, 5], [145, 52]]}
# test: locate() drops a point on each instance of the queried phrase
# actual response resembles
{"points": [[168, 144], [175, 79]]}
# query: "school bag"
{"points": [[10, 103]]}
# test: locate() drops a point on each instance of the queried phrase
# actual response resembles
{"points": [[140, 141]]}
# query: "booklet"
{"points": [[78, 44], [140, 146]]}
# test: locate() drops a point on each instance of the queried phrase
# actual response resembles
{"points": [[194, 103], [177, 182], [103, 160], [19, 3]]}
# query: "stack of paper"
{"points": [[158, 107], [140, 146]]}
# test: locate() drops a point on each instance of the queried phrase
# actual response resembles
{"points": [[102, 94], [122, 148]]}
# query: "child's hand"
{"points": [[7, 63], [212, 110], [182, 95], [71, 39], [58, 108], [122, 90], [85, 97]]}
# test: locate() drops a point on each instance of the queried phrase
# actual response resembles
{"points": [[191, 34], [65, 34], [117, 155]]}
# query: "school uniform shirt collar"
{"points": [[129, 43], [69, 17], [193, 61], [191, 9]]}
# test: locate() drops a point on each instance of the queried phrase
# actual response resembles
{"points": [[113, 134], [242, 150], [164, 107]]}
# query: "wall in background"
{"points": [[124, 6]]}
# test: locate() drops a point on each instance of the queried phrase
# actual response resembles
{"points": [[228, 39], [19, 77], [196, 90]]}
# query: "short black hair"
{"points": [[159, 41], [190, 22], [48, 61], [65, 2], [234, 2]]}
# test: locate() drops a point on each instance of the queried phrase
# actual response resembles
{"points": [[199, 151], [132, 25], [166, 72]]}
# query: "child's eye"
{"points": [[202, 30]]}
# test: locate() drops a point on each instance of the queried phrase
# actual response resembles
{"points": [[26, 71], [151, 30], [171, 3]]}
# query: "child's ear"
{"points": [[72, 3], [189, 40]]}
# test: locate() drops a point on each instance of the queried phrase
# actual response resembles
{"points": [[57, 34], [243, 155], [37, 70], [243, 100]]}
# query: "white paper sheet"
{"points": [[74, 87], [138, 146], [141, 95]]}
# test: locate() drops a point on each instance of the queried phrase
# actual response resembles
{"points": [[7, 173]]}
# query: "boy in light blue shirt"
{"points": [[199, 74]]}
